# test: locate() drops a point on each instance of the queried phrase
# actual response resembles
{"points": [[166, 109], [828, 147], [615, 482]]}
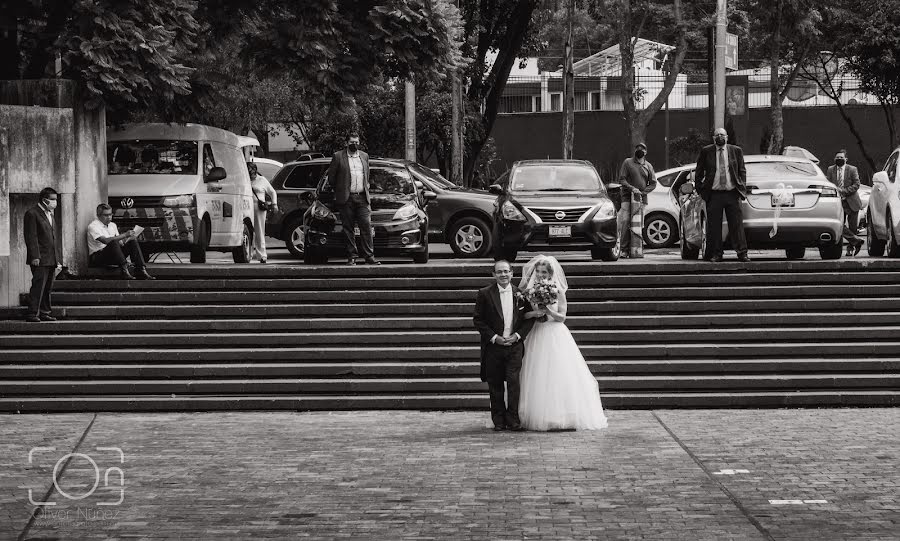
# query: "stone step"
{"points": [[667, 383], [452, 353], [432, 309], [470, 401], [805, 292], [473, 282], [413, 369], [600, 321], [441, 337]]}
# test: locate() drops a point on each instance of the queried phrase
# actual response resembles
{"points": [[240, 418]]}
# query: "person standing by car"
{"points": [[266, 200], [638, 179], [846, 178], [721, 180], [348, 175]]}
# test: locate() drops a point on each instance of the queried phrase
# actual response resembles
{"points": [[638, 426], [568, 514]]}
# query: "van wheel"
{"points": [[874, 245], [198, 250], [242, 253], [295, 238]]}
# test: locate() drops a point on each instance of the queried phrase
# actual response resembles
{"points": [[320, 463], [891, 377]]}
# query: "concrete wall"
{"points": [[600, 135], [50, 140]]}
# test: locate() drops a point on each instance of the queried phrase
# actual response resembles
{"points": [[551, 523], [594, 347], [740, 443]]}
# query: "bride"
{"points": [[558, 390]]}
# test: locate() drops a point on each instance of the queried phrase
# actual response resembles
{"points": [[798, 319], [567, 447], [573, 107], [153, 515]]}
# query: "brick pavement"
{"points": [[444, 475]]}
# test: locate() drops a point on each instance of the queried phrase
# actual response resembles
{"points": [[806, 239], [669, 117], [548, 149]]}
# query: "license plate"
{"points": [[783, 200], [560, 230]]}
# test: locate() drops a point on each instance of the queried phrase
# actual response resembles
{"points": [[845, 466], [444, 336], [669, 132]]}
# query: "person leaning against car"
{"points": [[348, 174], [846, 178], [721, 180]]}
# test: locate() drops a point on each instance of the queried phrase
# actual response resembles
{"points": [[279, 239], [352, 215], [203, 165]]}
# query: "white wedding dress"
{"points": [[558, 390]]}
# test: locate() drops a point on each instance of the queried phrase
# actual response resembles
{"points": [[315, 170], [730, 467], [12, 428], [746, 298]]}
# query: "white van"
{"points": [[186, 185]]}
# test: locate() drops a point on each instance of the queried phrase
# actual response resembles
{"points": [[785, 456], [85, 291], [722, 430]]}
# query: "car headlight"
{"points": [[406, 212], [606, 211], [186, 200], [510, 212], [321, 212]]}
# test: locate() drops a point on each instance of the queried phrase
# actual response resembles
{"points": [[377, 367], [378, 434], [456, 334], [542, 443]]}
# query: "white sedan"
{"points": [[661, 214], [883, 216]]}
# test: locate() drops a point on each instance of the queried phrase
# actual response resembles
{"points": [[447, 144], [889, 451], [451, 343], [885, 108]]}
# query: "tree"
{"points": [[783, 32]]}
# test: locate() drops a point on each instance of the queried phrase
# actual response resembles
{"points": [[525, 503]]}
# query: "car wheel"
{"points": [[832, 251], [892, 249], [703, 237], [198, 250], [470, 237], [687, 251], [795, 252], [659, 231], [607, 254], [874, 245], [295, 238], [243, 253]]}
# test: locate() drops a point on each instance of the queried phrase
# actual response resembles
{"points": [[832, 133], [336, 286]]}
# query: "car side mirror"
{"points": [[215, 175], [496, 189], [687, 188], [429, 196]]}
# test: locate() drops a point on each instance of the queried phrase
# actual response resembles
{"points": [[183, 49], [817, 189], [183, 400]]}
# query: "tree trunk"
{"points": [[569, 86], [776, 116]]}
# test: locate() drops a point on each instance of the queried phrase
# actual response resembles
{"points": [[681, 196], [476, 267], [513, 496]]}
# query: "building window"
{"points": [[556, 102]]}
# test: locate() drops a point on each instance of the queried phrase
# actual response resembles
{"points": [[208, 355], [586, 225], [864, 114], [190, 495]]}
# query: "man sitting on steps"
{"points": [[108, 247]]}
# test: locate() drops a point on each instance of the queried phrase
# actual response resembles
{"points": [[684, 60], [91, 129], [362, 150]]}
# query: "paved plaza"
{"points": [[673, 474]]}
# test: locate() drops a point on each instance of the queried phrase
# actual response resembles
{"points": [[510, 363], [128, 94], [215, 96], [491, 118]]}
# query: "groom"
{"points": [[500, 319]]}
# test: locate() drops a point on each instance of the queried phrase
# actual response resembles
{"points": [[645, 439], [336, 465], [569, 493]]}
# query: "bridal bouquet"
{"points": [[542, 293]]}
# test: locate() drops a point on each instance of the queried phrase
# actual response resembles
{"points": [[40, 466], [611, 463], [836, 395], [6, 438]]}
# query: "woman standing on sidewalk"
{"points": [[266, 200]]}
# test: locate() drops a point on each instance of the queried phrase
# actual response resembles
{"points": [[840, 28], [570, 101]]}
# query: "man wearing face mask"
{"points": [[721, 180], [348, 175], [637, 178], [42, 256], [846, 178]]}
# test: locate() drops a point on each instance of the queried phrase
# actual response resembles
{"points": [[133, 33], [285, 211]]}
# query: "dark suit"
{"points": [[354, 208], [722, 201], [848, 188], [40, 243], [501, 363]]}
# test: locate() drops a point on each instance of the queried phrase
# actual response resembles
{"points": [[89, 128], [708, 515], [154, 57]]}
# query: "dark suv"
{"points": [[546, 205], [399, 220], [296, 186]]}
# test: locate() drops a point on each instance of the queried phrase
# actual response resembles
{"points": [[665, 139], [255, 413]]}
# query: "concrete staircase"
{"points": [[669, 334]]}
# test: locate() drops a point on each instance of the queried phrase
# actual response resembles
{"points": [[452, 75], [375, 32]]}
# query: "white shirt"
{"points": [[356, 173], [97, 230], [48, 213], [262, 189]]}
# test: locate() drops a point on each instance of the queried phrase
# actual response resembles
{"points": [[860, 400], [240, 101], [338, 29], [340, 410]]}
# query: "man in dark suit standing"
{"points": [[846, 178], [721, 180], [42, 256], [501, 322], [348, 175]]}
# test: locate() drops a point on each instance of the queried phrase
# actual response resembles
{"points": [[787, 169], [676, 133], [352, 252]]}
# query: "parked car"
{"points": [[266, 167], [799, 152], [460, 217], [296, 187], [399, 219], [661, 212], [544, 205], [810, 213], [883, 213]]}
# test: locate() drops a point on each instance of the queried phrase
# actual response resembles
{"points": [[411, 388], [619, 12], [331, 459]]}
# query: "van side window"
{"points": [[208, 160], [891, 167]]}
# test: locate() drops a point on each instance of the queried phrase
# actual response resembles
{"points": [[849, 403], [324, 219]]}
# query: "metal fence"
{"points": [[543, 93]]}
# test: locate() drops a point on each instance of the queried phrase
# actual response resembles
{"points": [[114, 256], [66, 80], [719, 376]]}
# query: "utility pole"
{"points": [[456, 135], [410, 120], [721, 36], [711, 76], [569, 86]]}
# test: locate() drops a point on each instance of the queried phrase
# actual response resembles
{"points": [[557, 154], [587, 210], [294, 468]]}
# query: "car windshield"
{"points": [[155, 157], [432, 177], [781, 170], [555, 178], [391, 182]]}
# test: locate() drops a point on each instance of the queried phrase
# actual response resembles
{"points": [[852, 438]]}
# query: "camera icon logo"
{"points": [[113, 478]]}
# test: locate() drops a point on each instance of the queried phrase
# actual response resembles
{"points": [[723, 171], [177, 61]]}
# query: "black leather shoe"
{"points": [[33, 319], [144, 275], [47, 318], [744, 258], [351, 261], [372, 261], [715, 259]]}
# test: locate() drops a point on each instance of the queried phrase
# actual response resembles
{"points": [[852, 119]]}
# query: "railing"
{"points": [[544, 93]]}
